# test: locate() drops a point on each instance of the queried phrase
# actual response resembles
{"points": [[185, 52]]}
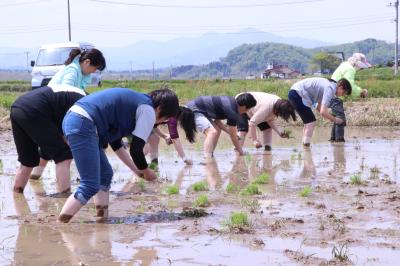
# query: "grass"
{"points": [[171, 190], [201, 201], [250, 190], [232, 188], [251, 205], [305, 192], [238, 222], [341, 253], [142, 184], [200, 186], [261, 179], [355, 179]]}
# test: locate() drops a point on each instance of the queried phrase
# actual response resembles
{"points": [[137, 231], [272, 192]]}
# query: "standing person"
{"points": [[76, 72], [210, 110], [105, 117], [263, 115], [36, 119], [186, 121], [78, 67], [317, 93], [347, 70]]}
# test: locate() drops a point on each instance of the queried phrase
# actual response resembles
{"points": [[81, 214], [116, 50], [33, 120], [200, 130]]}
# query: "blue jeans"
{"points": [[94, 169]]}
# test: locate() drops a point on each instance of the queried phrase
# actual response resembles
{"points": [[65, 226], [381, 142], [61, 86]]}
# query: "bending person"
{"points": [[316, 93], [263, 116], [186, 121], [106, 117], [210, 110], [36, 119], [76, 72]]}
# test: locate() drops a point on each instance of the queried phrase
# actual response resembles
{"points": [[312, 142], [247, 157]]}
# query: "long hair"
{"points": [[285, 109], [186, 121], [95, 56]]}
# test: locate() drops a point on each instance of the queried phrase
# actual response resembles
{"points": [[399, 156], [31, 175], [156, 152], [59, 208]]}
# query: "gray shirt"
{"points": [[315, 90]]}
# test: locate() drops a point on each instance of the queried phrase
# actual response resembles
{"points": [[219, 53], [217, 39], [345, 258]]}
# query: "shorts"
{"points": [[202, 122], [34, 132], [243, 124], [305, 112]]}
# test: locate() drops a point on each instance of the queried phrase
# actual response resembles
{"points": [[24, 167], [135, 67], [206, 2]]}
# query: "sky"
{"points": [[117, 23]]}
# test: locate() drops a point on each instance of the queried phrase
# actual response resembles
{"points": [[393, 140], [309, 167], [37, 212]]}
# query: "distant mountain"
{"points": [[253, 58], [191, 51]]}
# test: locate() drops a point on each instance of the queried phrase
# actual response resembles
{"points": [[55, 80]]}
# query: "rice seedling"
{"points": [[171, 190], [238, 222], [232, 188], [252, 205], [200, 186], [355, 179], [262, 179], [201, 201], [305, 192], [153, 166], [341, 253], [288, 133], [141, 184], [250, 190]]}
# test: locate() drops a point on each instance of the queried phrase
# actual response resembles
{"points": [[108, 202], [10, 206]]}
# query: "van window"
{"points": [[53, 56]]}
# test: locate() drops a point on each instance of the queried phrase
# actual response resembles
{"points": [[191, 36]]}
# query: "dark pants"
{"points": [[305, 112], [243, 124], [337, 132]]}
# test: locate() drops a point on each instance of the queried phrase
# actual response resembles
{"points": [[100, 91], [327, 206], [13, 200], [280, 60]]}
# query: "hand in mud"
{"points": [[149, 175], [257, 144], [168, 140], [284, 135], [188, 162]]}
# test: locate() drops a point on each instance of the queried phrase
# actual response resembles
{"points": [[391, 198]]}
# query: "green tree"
{"points": [[326, 62]]}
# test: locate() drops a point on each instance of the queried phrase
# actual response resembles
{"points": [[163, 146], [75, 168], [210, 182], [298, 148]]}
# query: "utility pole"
{"points": [[69, 23], [27, 60], [154, 73], [396, 45], [396, 52]]}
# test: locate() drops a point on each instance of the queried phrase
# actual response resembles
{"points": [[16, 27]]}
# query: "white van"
{"points": [[50, 60]]}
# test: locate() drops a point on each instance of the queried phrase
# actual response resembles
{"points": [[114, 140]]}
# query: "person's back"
{"points": [[315, 90], [49, 102], [215, 107]]}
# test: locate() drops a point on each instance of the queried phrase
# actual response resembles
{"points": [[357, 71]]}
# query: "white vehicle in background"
{"points": [[50, 60]]}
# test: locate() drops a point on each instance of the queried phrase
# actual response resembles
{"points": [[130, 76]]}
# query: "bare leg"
{"points": [[153, 142], [70, 208], [267, 139], [101, 201], [308, 132], [242, 136], [63, 176], [210, 142], [38, 170], [21, 178]]}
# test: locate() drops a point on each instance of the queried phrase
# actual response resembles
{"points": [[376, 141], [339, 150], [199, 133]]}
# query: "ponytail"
{"points": [[186, 121], [74, 52]]}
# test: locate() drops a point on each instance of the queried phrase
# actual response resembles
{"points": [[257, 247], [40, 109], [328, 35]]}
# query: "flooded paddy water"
{"points": [[331, 203]]}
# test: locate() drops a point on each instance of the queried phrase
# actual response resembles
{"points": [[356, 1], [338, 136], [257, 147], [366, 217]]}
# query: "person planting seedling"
{"points": [[263, 116]]}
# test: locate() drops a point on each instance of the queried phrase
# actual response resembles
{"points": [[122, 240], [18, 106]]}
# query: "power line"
{"points": [[287, 29], [24, 3], [233, 27], [205, 7]]}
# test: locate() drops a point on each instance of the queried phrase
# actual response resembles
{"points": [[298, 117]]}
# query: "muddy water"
{"points": [[146, 226]]}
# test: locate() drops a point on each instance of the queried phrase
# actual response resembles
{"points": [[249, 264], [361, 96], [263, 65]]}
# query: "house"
{"points": [[280, 71]]}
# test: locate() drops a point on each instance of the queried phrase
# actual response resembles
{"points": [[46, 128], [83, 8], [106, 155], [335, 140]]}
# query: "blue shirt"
{"points": [[71, 75], [114, 112]]}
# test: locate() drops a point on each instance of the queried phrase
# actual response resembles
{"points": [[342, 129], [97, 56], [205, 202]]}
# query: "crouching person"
{"points": [[105, 117], [36, 119], [263, 115]]}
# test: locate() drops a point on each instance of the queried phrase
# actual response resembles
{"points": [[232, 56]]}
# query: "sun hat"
{"points": [[359, 60]]}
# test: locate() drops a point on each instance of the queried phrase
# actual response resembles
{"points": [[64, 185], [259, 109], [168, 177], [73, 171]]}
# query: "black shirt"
{"points": [[49, 103], [216, 107]]}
